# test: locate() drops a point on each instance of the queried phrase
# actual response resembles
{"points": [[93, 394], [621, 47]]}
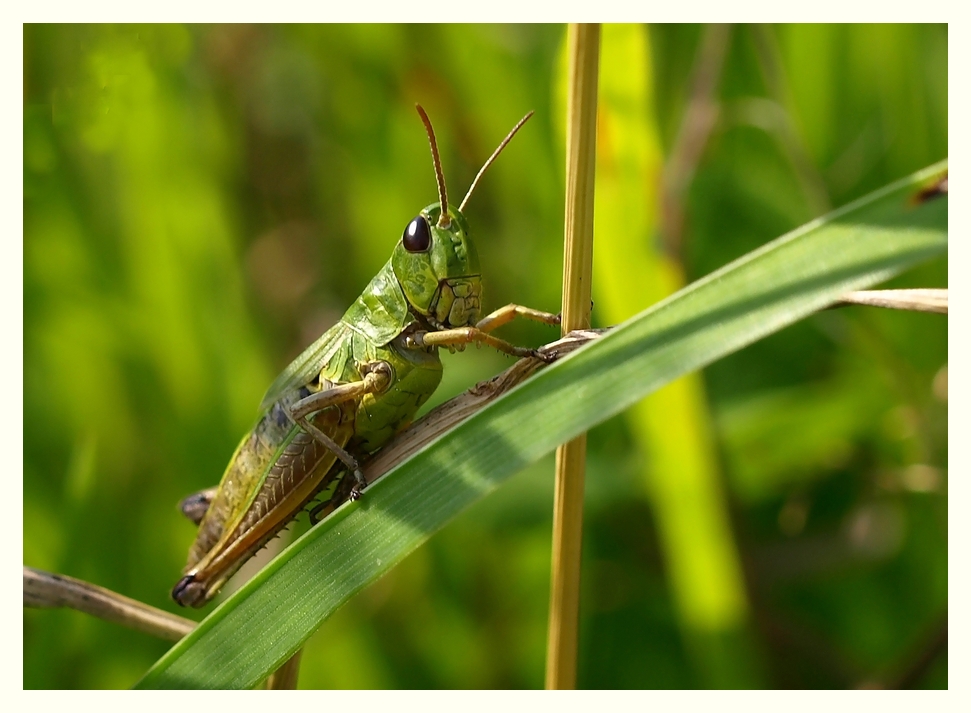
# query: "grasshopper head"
{"points": [[438, 268], [436, 262]]}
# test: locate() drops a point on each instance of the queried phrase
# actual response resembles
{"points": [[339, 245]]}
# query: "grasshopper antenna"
{"points": [[443, 220], [493, 158]]}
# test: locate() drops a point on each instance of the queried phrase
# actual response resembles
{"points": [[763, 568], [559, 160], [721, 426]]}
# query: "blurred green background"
{"points": [[201, 202]]}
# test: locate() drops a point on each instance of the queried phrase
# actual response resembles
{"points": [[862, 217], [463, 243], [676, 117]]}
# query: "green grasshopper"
{"points": [[350, 391]]}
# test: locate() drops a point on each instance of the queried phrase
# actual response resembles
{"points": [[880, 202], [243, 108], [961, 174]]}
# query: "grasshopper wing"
{"points": [[275, 471], [306, 367]]}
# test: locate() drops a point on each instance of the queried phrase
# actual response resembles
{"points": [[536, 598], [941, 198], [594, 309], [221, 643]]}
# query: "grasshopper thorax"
{"points": [[438, 268]]}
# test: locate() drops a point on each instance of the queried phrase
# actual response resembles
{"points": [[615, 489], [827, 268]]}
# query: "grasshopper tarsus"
{"points": [[360, 482]]}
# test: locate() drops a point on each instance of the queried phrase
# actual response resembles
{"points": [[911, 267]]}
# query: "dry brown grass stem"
{"points": [[47, 590], [919, 300]]}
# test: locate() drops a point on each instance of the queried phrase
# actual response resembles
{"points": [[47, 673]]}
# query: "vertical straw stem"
{"points": [[285, 677], [583, 48]]}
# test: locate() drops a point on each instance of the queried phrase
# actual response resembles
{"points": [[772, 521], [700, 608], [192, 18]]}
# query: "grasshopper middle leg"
{"points": [[377, 378]]}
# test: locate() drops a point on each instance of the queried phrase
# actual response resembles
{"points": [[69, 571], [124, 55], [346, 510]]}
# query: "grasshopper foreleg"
{"points": [[377, 378], [461, 336], [506, 314], [480, 332]]}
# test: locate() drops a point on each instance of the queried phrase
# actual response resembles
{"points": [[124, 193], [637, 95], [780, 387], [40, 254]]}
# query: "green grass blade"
{"points": [[267, 620]]}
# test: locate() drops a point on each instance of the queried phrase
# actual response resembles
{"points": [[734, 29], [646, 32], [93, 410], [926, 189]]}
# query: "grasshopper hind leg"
{"points": [[189, 592], [196, 506]]}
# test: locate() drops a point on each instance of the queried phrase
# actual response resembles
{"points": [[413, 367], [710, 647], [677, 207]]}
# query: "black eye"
{"points": [[417, 237]]}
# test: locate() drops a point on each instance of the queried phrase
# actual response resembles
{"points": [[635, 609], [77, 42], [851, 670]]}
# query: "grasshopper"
{"points": [[345, 396]]}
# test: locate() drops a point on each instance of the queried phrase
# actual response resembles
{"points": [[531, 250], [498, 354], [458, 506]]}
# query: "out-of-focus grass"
{"points": [[200, 202]]}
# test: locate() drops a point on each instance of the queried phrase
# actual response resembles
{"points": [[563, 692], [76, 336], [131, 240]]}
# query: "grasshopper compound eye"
{"points": [[417, 237]]}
